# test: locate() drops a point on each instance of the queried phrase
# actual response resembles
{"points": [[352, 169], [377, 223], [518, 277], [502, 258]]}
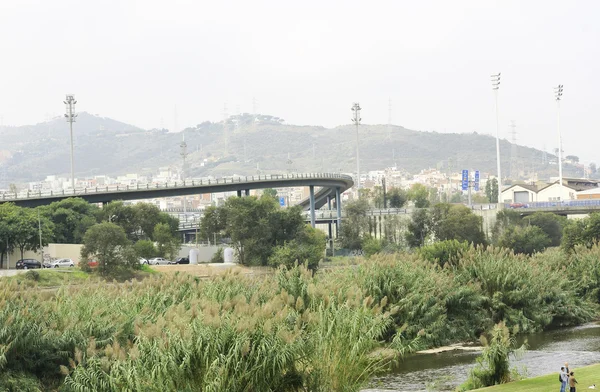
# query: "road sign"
{"points": [[281, 201], [465, 180], [476, 180]]}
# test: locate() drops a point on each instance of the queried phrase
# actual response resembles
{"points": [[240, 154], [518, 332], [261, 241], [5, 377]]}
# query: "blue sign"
{"points": [[476, 180], [465, 180], [282, 201]]}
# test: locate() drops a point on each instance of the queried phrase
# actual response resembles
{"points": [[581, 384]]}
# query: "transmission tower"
{"points": [[184, 154], [514, 171]]}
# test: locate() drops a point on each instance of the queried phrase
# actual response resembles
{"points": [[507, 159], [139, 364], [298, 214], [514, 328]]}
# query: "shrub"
{"points": [[371, 246], [308, 248], [444, 252], [218, 257], [32, 275], [527, 240]]}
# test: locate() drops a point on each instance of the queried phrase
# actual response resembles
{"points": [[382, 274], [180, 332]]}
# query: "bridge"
{"points": [[331, 184], [566, 207]]}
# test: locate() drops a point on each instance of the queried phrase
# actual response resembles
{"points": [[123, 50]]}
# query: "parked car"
{"points": [[47, 264], [28, 264], [181, 260], [143, 261], [158, 261], [62, 263]]}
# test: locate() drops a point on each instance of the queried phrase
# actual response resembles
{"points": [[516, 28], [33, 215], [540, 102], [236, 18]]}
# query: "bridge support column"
{"points": [[312, 206], [239, 193], [247, 191], [338, 205], [329, 202], [330, 236]]}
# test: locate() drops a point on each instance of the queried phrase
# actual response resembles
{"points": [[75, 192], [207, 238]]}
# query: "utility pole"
{"points": [[513, 151], [71, 115], [495, 87], [226, 128], [558, 92], [384, 193], [356, 120]]}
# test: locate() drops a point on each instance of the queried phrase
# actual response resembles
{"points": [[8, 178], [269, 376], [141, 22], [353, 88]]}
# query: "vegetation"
{"points": [[444, 253], [587, 375], [527, 240], [397, 198], [108, 244], [419, 195], [585, 232], [491, 190], [50, 278], [493, 364]]}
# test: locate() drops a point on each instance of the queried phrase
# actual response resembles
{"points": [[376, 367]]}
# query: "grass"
{"points": [[585, 376], [52, 277]]}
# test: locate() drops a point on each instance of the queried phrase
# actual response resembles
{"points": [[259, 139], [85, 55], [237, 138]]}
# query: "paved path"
{"points": [[10, 272]]}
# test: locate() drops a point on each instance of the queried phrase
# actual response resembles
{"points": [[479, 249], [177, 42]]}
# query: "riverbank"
{"points": [[585, 376]]}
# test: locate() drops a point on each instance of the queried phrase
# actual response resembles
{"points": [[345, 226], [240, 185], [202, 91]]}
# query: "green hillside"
{"points": [[105, 146]]}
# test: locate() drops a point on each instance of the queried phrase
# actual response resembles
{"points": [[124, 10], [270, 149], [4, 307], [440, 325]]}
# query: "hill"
{"points": [[106, 146]]}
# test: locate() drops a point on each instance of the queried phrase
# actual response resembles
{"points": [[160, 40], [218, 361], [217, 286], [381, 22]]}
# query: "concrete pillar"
{"points": [[247, 192], [239, 193], [338, 205], [329, 203], [330, 226], [312, 206]]}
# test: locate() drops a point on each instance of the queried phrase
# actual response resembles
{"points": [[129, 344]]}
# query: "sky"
{"points": [[178, 63]]}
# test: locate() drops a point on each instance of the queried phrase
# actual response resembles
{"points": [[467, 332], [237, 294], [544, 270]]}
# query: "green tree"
{"points": [[419, 229], [491, 190], [444, 252], [551, 224], [396, 198], [138, 220], [307, 248], [28, 224], [419, 194], [456, 222], [505, 219], [8, 214], [167, 245], [377, 197], [71, 218], [213, 223], [355, 224], [270, 192], [584, 232], [527, 240], [108, 244], [145, 249]]}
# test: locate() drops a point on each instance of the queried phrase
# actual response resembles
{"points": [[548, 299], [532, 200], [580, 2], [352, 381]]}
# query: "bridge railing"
{"points": [[8, 196]]}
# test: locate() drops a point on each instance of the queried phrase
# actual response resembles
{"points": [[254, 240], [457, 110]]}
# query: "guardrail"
{"points": [[23, 195]]}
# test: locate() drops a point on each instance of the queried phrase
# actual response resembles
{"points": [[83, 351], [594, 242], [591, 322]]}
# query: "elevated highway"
{"points": [[329, 182]]}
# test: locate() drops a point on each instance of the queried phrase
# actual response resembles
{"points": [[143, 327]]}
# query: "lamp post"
{"points": [[356, 121], [558, 92], [70, 116], [496, 87]]}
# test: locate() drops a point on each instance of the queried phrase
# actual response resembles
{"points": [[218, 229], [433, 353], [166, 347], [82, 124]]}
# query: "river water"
{"points": [[547, 352]]}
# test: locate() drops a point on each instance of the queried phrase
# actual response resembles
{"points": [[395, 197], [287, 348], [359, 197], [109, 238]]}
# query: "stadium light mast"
{"points": [[496, 87], [356, 121], [183, 146], [71, 116], [558, 92]]}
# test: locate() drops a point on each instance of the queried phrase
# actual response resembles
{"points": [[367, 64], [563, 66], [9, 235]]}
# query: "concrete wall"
{"points": [[552, 193], [205, 253], [51, 252]]}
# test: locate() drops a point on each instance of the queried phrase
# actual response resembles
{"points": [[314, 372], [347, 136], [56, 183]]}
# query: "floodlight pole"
{"points": [[558, 92], [356, 120], [70, 115], [496, 87]]}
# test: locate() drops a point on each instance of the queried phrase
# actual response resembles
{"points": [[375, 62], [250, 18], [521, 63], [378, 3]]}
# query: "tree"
{"points": [[145, 249], [491, 190], [418, 229], [8, 213], [213, 223], [584, 232], [572, 158], [270, 192], [355, 224], [108, 244], [377, 200], [167, 245], [308, 247], [456, 222], [527, 240], [28, 224], [71, 218], [138, 220], [505, 219], [419, 194], [551, 224], [396, 198]]}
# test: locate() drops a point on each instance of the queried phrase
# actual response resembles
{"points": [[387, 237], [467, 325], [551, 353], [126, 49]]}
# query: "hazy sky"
{"points": [[307, 61]]}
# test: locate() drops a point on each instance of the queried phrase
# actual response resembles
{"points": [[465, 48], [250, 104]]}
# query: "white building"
{"points": [[552, 192], [519, 193]]}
